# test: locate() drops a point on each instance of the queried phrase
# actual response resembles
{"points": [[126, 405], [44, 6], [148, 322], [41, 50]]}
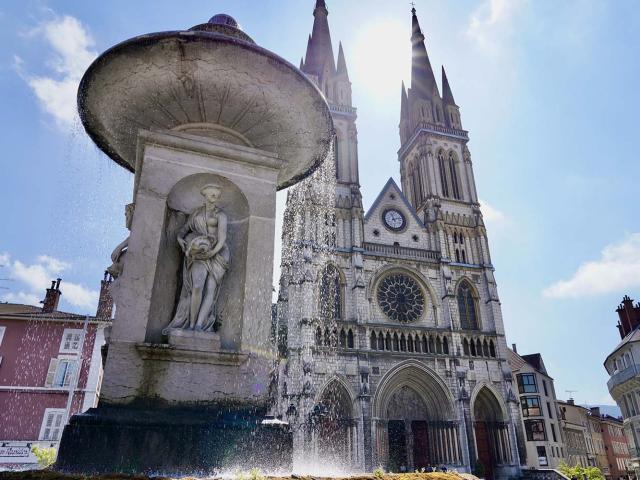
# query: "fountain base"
{"points": [[173, 441]]}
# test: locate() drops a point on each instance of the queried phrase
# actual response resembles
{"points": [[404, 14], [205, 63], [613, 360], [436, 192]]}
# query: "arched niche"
{"points": [[334, 425], [183, 198], [424, 382]]}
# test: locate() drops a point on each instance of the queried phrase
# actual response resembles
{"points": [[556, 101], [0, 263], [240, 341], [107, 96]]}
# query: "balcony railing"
{"points": [[622, 376], [401, 252]]}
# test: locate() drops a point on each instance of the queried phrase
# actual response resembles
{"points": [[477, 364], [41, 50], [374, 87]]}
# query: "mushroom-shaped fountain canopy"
{"points": [[211, 80]]}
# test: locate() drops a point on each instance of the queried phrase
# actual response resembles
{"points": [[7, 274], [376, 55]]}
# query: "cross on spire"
{"points": [[413, 7]]}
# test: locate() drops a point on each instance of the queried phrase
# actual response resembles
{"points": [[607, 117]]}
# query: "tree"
{"points": [[45, 456], [580, 473]]}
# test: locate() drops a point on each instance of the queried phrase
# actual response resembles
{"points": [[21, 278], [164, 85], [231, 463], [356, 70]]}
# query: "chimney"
{"points": [[629, 316], [105, 303], [52, 298], [595, 411], [570, 402], [513, 347]]}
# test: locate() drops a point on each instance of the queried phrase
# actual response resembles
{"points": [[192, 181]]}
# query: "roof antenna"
{"points": [[571, 392]]}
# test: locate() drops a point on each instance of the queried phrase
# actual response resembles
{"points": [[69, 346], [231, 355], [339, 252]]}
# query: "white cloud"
{"points": [[33, 279], [617, 269], [492, 22], [23, 298], [492, 215], [71, 46]]}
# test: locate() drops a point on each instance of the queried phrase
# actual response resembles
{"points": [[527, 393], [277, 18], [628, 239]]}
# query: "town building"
{"points": [[624, 381], [392, 342], [616, 447], [544, 442], [596, 451], [573, 420], [50, 369]]}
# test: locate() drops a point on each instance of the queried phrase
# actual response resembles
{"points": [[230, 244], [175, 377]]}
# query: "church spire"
{"points": [[319, 57], [423, 81], [447, 95], [342, 64]]}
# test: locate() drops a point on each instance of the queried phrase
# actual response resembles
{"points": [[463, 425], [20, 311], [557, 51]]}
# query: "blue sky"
{"points": [[547, 89]]}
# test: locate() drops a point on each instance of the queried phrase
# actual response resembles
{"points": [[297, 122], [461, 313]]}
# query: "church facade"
{"points": [[392, 347]]}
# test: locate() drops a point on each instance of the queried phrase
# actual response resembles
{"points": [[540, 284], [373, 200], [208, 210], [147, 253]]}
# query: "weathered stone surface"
{"points": [[172, 79], [172, 168]]}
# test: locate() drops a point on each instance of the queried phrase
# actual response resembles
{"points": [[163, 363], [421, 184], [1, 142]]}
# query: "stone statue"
{"points": [[203, 240], [119, 253]]}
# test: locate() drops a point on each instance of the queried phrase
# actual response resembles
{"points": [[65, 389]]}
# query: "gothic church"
{"points": [[392, 347]]}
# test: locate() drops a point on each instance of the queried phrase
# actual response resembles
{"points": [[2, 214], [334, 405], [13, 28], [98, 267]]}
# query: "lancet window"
{"points": [[467, 307]]}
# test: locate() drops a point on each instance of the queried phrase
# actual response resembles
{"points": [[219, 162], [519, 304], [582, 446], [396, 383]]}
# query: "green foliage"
{"points": [[581, 473], [253, 474], [378, 473], [45, 456], [478, 469]]}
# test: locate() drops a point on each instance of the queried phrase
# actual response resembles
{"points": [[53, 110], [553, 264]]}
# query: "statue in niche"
{"points": [[203, 240]]}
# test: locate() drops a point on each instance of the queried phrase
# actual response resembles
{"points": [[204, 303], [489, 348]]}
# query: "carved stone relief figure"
{"points": [[203, 240], [119, 253]]}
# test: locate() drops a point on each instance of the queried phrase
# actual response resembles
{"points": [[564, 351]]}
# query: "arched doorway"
{"points": [[334, 427], [491, 429], [415, 424]]}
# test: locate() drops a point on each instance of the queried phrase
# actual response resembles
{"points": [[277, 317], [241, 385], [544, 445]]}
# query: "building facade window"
{"points": [[71, 339], [52, 424], [535, 430], [553, 433], [542, 455], [60, 373], [467, 307], [454, 176], [549, 411], [443, 174], [544, 387], [530, 406], [527, 383], [2, 330]]}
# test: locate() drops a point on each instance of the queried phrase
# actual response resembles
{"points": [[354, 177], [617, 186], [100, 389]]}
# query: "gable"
{"points": [[412, 234]]}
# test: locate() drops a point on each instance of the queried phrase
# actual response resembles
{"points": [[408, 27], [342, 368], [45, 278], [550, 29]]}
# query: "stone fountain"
{"points": [[212, 125]]}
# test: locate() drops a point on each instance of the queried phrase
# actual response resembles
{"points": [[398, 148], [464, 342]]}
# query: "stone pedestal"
{"points": [[194, 340], [171, 169]]}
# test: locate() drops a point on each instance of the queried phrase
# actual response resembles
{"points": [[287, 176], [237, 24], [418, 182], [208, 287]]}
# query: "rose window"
{"points": [[400, 298]]}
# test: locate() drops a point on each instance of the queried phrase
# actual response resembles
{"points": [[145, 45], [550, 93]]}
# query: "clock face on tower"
{"points": [[394, 219]]}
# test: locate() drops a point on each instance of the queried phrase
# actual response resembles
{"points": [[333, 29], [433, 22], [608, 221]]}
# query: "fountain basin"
{"points": [[210, 82]]}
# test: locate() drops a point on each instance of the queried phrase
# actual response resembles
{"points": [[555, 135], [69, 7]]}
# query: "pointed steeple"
{"points": [[447, 95], [342, 64], [319, 57], [404, 104], [423, 81]]}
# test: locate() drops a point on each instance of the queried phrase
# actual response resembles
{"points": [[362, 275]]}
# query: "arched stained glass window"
{"points": [[330, 293], [467, 307]]}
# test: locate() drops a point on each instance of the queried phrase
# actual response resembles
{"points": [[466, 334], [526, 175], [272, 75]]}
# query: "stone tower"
{"points": [[391, 340]]}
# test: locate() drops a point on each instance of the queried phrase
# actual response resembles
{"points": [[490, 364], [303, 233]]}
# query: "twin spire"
{"points": [[319, 59], [423, 81]]}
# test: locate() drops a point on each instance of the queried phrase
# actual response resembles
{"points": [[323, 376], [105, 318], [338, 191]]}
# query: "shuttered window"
{"points": [[52, 424], [71, 340], [61, 372]]}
